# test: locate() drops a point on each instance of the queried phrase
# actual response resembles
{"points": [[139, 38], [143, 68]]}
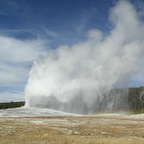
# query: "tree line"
{"points": [[135, 101], [12, 104]]}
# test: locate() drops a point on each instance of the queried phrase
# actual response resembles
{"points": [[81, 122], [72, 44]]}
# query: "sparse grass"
{"points": [[72, 130]]}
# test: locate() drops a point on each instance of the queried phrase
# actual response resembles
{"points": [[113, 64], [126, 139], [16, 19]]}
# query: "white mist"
{"points": [[81, 78]]}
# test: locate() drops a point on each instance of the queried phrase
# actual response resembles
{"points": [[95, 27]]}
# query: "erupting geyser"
{"points": [[81, 78]]}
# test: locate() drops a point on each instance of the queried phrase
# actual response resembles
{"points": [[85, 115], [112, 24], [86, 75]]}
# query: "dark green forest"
{"points": [[135, 101], [7, 105]]}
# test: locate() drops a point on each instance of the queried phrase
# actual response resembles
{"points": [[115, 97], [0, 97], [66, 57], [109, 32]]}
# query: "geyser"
{"points": [[81, 78]]}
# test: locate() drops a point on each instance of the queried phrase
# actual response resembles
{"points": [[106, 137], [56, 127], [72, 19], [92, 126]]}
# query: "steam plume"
{"points": [[81, 78]]}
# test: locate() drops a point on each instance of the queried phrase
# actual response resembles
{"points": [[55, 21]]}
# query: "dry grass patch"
{"points": [[71, 130]]}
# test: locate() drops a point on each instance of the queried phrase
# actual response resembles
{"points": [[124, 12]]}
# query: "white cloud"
{"points": [[10, 96], [12, 75], [14, 50], [51, 33], [15, 57]]}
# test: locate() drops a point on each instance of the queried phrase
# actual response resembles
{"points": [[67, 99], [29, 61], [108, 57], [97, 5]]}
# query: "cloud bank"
{"points": [[16, 57], [81, 78]]}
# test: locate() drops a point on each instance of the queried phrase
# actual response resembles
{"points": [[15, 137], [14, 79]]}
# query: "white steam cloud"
{"points": [[81, 78]]}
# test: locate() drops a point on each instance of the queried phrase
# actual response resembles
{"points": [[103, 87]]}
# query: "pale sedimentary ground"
{"points": [[62, 128]]}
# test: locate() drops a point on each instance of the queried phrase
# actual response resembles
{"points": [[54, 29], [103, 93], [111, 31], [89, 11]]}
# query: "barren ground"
{"points": [[100, 129]]}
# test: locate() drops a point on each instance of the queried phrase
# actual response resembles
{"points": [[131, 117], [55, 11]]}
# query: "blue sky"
{"points": [[28, 28], [48, 19]]}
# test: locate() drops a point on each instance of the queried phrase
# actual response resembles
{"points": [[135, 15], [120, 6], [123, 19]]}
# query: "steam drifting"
{"points": [[81, 78]]}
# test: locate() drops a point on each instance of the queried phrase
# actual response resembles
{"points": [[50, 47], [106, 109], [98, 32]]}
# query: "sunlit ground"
{"points": [[98, 129]]}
